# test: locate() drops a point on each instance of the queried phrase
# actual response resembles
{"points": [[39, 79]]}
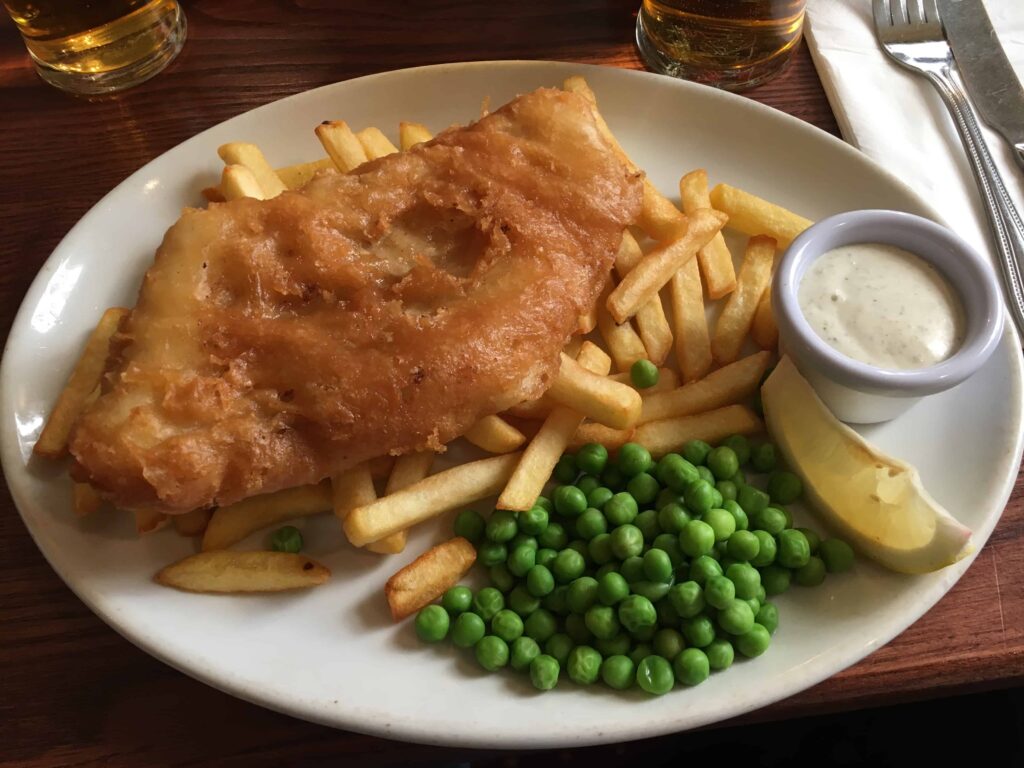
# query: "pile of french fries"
{"points": [[676, 254]]}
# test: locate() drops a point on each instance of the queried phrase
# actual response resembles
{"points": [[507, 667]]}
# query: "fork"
{"points": [[911, 34]]}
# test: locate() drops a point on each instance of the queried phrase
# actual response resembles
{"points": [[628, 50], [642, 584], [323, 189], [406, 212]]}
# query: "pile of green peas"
{"points": [[636, 572]]}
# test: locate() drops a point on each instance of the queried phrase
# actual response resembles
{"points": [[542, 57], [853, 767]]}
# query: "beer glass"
{"points": [[731, 44], [99, 46]]}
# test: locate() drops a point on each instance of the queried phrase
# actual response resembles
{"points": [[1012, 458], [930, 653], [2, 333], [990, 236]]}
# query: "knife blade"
{"points": [[990, 80]]}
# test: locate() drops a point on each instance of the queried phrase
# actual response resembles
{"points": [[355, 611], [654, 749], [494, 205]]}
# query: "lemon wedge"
{"points": [[874, 500]]}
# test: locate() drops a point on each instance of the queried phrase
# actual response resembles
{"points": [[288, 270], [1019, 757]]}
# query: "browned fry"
{"points": [[428, 577], [214, 195], [587, 322], [625, 346], [147, 521], [667, 379], [192, 523], [725, 386], [234, 522], [341, 144], [249, 156], [735, 321], [752, 215], [763, 329], [693, 342], [85, 377], [84, 499], [228, 572], [657, 267], [411, 134], [650, 319], [495, 435], [598, 433], [596, 396], [714, 258], [670, 435]]}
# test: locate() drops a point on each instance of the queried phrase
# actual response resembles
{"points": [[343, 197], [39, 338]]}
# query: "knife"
{"points": [[986, 71]]}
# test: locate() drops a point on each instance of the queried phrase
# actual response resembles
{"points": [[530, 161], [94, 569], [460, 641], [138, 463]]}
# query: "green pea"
{"points": [[467, 630], [813, 539], [675, 472], [613, 478], [602, 621], [721, 522], [657, 566], [784, 487], [612, 646], [569, 500], [627, 541], [522, 540], [457, 599], [740, 445], [727, 489], [606, 568], [751, 500], [775, 579], [734, 509], [794, 549], [492, 653], [501, 577], [621, 509], [559, 646], [643, 374], [739, 478], [618, 672], [811, 573], [632, 569], [582, 594], [719, 592], [588, 483], [637, 612], [687, 598], [700, 496], [544, 672], [600, 549], [568, 565], [600, 496], [654, 675], [697, 538], [507, 625], [644, 634], [696, 451], [576, 628], [644, 488], [673, 518], [669, 544], [584, 665], [762, 457], [652, 590], [521, 560], [592, 458], [743, 546], [725, 561], [533, 521], [668, 616], [736, 617], [523, 651], [540, 625], [723, 462], [836, 554], [720, 654], [555, 601], [640, 652], [286, 539], [539, 581], [591, 523], [502, 526], [546, 556], [432, 624], [611, 588], [692, 666], [766, 549], [746, 578], [633, 459], [699, 630], [761, 594], [754, 603], [668, 643], [544, 503], [522, 602], [580, 546], [553, 537], [488, 602], [768, 617], [771, 519], [705, 474], [647, 522], [469, 524], [703, 568], [566, 470], [667, 496], [753, 643]]}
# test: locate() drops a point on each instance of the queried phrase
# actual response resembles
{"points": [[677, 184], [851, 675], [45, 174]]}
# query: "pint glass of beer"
{"points": [[99, 46], [731, 44]]}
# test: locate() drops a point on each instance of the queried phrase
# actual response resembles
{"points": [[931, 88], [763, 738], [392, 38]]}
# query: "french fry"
{"points": [[669, 435], [341, 144], [298, 175], [667, 379], [229, 572], [432, 496], [84, 499], [725, 386], [408, 469], [651, 322], [380, 466], [147, 521], [249, 156], [735, 321], [693, 342], [495, 435], [586, 322], [599, 433], [428, 577], [625, 346], [714, 258], [596, 396], [352, 488], [657, 267], [192, 523], [375, 144], [543, 452], [573, 346], [214, 195], [536, 410], [232, 523], [752, 215], [658, 217], [85, 377], [411, 134], [237, 181], [763, 330]]}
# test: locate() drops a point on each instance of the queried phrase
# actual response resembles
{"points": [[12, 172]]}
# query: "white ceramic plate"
{"points": [[331, 655]]}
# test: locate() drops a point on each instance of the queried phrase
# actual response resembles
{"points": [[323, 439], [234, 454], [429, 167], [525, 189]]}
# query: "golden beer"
{"points": [[731, 44], [100, 46]]}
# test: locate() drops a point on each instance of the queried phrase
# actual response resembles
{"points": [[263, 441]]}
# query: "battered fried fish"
{"points": [[277, 342]]}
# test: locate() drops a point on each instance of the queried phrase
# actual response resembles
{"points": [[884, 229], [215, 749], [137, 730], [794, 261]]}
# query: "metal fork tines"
{"points": [[910, 32]]}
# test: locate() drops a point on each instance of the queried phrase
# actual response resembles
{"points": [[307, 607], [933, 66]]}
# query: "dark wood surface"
{"points": [[73, 692]]}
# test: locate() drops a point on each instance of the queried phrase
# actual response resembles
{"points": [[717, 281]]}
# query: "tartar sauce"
{"points": [[882, 305]]}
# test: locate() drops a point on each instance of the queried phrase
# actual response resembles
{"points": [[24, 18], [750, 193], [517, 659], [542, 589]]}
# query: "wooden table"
{"points": [[74, 692]]}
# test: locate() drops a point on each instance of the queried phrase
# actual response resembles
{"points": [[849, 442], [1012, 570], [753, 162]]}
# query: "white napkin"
{"points": [[898, 119]]}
